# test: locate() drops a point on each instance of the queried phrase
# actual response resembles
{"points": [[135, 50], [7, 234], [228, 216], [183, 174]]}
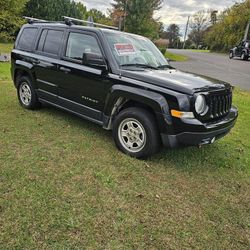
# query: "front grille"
{"points": [[219, 105]]}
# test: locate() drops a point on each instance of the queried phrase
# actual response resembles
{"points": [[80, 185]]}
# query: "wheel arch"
{"points": [[121, 97], [24, 69]]}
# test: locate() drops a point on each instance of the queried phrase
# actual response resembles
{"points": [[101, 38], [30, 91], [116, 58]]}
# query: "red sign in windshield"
{"points": [[124, 49]]}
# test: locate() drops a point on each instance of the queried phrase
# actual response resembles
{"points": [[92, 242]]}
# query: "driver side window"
{"points": [[78, 44]]}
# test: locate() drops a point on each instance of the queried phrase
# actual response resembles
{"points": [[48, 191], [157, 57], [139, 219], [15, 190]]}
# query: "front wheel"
{"points": [[135, 133]]}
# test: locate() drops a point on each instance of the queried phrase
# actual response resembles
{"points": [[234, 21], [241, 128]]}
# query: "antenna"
{"points": [[71, 20]]}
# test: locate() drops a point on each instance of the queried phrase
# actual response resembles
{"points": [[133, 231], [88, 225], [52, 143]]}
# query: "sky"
{"points": [[172, 11]]}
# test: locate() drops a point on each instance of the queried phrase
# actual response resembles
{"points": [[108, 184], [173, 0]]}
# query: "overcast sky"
{"points": [[173, 11]]}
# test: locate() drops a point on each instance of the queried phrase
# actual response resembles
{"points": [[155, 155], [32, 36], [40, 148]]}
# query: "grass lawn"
{"points": [[64, 185], [200, 50], [175, 57], [6, 47]]}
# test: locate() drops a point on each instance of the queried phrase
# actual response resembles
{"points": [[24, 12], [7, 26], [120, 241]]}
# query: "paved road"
{"points": [[218, 66]]}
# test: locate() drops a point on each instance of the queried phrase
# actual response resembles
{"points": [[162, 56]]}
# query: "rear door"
{"points": [[46, 63]]}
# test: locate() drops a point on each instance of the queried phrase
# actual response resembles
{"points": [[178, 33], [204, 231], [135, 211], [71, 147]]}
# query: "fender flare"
{"points": [[156, 101], [24, 67]]}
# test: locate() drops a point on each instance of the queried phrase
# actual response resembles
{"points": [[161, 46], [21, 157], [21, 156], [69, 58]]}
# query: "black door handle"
{"points": [[66, 70]]}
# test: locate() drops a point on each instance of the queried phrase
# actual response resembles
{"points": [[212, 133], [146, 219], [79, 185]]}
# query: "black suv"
{"points": [[242, 50], [122, 82]]}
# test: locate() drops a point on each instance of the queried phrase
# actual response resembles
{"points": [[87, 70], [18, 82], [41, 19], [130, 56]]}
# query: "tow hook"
{"points": [[206, 142]]}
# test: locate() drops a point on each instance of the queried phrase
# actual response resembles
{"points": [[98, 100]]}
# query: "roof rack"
{"points": [[70, 20], [34, 20]]}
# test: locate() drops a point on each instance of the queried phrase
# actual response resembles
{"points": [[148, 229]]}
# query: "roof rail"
{"points": [[69, 20], [33, 20]]}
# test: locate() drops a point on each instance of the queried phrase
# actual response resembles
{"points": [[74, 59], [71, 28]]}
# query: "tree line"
{"points": [[207, 29], [131, 15]]}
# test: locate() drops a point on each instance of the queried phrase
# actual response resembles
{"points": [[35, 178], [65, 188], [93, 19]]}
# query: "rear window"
{"points": [[53, 41], [27, 38]]}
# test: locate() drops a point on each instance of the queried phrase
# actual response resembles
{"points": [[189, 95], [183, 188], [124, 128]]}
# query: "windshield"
{"points": [[133, 50]]}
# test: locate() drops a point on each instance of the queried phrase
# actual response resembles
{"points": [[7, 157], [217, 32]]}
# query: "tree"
{"points": [[10, 18], [199, 23], [99, 17], [230, 27], [137, 16], [172, 34], [53, 9]]}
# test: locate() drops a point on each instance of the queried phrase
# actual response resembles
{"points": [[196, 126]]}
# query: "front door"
{"points": [[81, 87]]}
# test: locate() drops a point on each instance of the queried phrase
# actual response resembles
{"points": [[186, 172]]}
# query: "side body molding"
{"points": [[23, 65]]}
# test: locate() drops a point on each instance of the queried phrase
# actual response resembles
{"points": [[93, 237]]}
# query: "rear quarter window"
{"points": [[27, 38], [53, 42]]}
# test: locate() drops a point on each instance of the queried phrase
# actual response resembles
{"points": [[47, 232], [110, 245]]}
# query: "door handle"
{"points": [[66, 70], [35, 61]]}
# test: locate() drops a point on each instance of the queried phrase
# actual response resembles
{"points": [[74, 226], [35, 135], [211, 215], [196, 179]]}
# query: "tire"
{"points": [[231, 55], [26, 94], [244, 56], [135, 133]]}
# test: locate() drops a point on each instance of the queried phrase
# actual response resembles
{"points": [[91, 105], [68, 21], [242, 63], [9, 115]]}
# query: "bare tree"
{"points": [[199, 23]]}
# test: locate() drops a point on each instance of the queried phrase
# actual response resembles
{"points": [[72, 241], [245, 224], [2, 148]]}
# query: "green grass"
{"points": [[64, 185], [175, 57], [6, 47], [200, 50]]}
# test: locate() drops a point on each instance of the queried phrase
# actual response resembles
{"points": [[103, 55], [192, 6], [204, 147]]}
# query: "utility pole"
{"points": [[185, 36], [247, 31], [120, 23], [125, 14]]}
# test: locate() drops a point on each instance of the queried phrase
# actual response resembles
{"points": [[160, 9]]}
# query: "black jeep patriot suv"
{"points": [[122, 82]]}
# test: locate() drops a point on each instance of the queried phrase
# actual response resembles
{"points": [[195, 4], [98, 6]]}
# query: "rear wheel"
{"points": [[26, 93], [244, 56], [135, 133]]}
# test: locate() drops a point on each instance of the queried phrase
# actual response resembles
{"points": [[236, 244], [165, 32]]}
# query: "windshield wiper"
{"points": [[165, 66], [139, 65]]}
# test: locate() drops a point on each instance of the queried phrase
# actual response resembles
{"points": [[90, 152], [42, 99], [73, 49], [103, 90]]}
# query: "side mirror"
{"points": [[94, 60]]}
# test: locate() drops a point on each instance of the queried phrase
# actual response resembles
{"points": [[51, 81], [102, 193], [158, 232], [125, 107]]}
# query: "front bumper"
{"points": [[200, 133]]}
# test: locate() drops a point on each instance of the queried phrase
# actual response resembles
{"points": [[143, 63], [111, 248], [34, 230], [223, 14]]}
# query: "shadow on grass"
{"points": [[209, 157]]}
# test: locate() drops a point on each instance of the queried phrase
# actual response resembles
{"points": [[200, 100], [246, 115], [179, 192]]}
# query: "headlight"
{"points": [[200, 105]]}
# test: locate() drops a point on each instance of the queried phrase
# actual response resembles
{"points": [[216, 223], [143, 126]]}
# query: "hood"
{"points": [[176, 80]]}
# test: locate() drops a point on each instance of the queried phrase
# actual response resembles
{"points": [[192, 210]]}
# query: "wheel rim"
{"points": [[231, 55], [25, 93], [132, 135], [242, 56]]}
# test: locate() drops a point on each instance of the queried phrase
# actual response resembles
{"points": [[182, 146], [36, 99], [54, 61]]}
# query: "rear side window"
{"points": [[53, 41], [27, 38]]}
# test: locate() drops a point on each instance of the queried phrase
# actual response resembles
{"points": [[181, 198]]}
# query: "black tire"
{"points": [[30, 101], [231, 55], [244, 56], [149, 134]]}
